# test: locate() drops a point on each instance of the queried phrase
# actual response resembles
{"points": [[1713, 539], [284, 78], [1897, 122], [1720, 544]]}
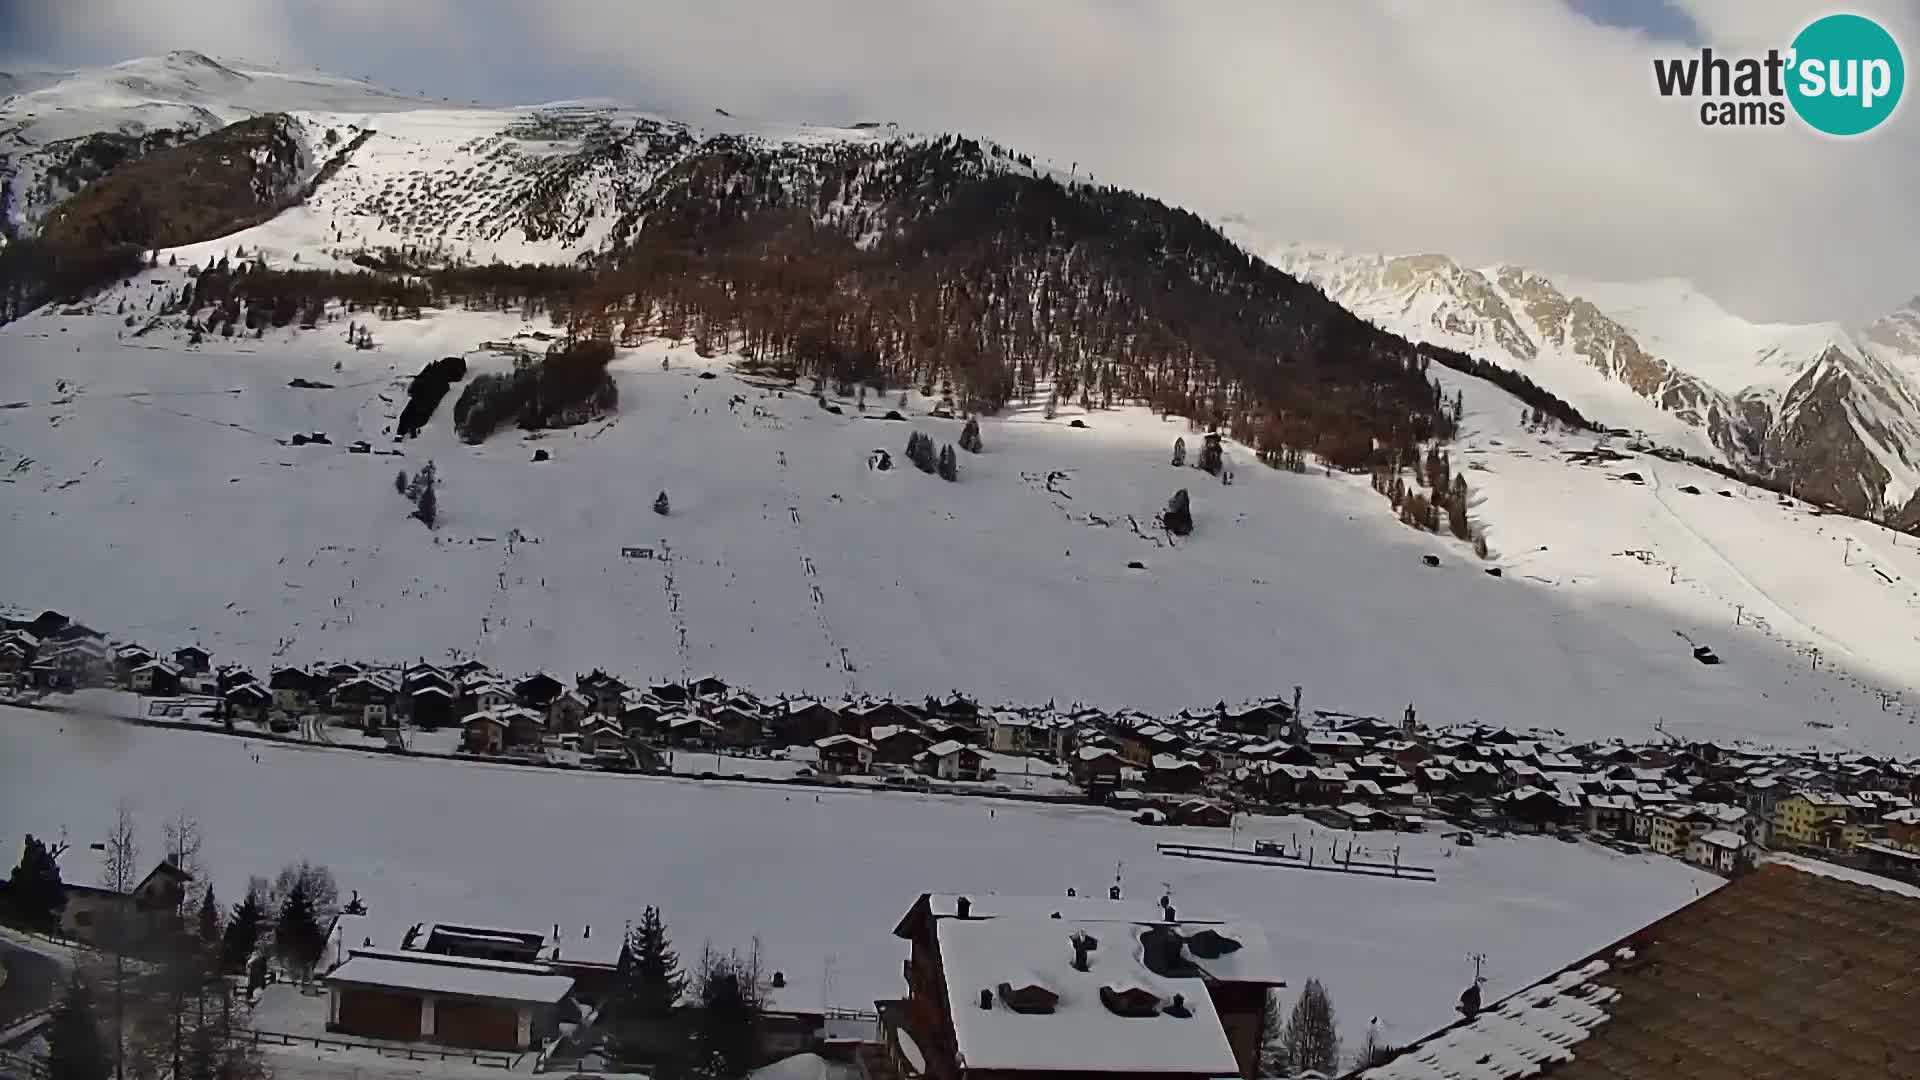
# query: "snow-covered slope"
{"points": [[150, 490], [1835, 410], [60, 130]]}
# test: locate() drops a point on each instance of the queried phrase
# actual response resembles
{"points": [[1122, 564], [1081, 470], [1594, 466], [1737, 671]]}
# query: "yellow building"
{"points": [[1800, 816], [1668, 834]]}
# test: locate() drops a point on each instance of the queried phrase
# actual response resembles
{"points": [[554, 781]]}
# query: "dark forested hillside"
{"points": [[948, 265], [231, 178]]}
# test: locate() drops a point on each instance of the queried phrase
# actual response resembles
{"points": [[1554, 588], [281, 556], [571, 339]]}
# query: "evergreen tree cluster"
{"points": [[921, 452], [569, 385], [677, 1024], [1445, 493], [422, 492], [970, 436]]}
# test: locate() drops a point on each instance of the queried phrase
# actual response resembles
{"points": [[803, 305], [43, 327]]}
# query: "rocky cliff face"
{"points": [[1836, 415]]}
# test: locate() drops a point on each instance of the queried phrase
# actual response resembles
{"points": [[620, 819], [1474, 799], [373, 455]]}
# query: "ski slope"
{"points": [[821, 883], [148, 491]]}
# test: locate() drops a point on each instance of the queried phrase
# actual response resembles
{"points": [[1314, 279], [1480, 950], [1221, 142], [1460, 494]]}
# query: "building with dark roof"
{"points": [[1797, 969], [1002, 987]]}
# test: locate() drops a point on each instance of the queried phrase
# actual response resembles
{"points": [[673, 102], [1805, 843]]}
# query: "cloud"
{"points": [[1495, 131]]}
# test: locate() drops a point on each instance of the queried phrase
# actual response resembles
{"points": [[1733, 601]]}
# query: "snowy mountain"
{"points": [[740, 268], [62, 130], [1833, 411]]}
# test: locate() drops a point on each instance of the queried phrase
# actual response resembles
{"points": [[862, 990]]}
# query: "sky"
{"points": [[1524, 131]]}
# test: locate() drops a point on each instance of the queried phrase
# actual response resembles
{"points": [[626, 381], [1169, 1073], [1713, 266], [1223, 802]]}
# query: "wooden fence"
{"points": [[408, 1053]]}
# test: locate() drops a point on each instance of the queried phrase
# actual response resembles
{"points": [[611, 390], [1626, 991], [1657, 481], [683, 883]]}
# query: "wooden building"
{"points": [[1005, 987], [415, 996]]}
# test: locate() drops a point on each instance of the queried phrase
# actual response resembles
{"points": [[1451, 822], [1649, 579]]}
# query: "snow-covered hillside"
{"points": [[151, 491], [49, 119], [541, 182], [821, 883], [1834, 409]]}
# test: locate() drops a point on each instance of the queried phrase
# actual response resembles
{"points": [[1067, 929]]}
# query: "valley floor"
{"points": [[820, 880]]}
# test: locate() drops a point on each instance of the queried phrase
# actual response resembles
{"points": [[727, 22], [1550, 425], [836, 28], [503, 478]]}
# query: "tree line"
{"points": [[679, 1025], [165, 995]]}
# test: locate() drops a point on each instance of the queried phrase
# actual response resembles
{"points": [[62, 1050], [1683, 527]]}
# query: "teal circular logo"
{"points": [[1846, 75]]}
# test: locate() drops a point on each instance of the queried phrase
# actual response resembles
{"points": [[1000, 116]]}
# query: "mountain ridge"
{"points": [[1832, 413]]}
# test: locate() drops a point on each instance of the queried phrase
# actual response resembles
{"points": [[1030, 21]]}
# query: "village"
{"points": [[1184, 992], [1717, 807]]}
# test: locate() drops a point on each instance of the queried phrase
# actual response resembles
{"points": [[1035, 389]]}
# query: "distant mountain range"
{"points": [[1834, 411]]}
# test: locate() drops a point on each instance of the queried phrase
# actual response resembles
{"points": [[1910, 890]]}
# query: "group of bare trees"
{"points": [[160, 993]]}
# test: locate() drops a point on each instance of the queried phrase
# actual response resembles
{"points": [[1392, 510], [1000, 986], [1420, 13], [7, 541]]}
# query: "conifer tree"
{"points": [[1311, 1040], [209, 923], [35, 894], [970, 436], [648, 984], [298, 936], [1178, 517], [242, 934], [949, 466], [75, 1048]]}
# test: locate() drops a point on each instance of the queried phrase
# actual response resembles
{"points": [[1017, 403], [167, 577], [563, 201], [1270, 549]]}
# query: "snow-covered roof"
{"points": [[1094, 753], [462, 976], [1517, 1037], [1721, 838], [832, 741], [1166, 762], [1080, 1033], [945, 747]]}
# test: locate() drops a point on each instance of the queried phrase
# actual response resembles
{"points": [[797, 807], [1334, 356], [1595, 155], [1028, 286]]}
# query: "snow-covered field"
{"points": [[820, 882], [148, 492]]}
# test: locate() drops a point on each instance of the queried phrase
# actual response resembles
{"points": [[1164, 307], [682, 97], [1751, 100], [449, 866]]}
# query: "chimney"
{"points": [[1070, 891], [963, 907], [986, 999], [1113, 893], [779, 979], [588, 933], [1082, 945], [1170, 915], [1178, 1007]]}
